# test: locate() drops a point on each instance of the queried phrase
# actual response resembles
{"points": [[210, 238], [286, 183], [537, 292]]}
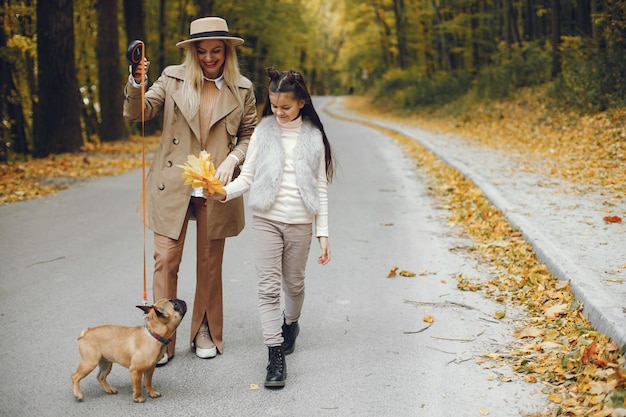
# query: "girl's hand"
{"points": [[209, 196], [324, 258], [225, 171]]}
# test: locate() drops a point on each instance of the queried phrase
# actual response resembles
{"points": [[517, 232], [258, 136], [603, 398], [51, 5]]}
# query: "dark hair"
{"points": [[292, 82]]}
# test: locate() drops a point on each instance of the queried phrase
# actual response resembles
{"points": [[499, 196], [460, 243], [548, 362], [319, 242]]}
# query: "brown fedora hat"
{"points": [[208, 28]]}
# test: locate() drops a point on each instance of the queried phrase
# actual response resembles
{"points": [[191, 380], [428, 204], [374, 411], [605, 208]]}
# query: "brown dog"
{"points": [[137, 348]]}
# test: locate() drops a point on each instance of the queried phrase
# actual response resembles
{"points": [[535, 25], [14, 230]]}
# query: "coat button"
{"points": [[161, 187], [175, 141], [168, 164]]}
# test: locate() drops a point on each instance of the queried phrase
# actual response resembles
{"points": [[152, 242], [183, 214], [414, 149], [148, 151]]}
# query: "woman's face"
{"points": [[285, 107], [211, 55]]}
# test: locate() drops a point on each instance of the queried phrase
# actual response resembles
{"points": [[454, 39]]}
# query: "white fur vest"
{"points": [[307, 152]]}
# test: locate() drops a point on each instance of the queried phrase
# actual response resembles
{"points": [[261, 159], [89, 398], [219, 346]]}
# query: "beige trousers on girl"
{"points": [[281, 252]]}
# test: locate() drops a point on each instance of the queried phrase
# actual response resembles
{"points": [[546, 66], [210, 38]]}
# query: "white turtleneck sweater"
{"points": [[288, 207]]}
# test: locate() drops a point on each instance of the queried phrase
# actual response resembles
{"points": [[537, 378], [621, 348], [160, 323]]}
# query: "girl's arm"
{"points": [[321, 219], [242, 183]]}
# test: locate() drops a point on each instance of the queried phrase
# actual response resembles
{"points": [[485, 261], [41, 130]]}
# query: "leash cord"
{"points": [[143, 171]]}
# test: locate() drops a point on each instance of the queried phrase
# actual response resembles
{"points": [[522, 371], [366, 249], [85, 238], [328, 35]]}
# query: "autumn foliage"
{"points": [[199, 171]]}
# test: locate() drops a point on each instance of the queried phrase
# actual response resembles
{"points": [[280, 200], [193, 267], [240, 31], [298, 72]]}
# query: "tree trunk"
{"points": [[583, 16], [206, 7], [399, 10], [133, 20], [135, 30], [508, 32], [385, 35], [443, 47], [529, 19], [595, 33], [556, 37], [14, 135], [162, 27], [112, 125], [57, 111]]}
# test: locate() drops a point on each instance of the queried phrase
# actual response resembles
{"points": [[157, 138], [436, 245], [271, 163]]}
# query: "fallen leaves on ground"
{"points": [[25, 180], [585, 149], [581, 370], [395, 271], [612, 219]]}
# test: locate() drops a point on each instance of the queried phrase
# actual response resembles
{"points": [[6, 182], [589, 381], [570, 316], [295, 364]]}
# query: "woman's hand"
{"points": [[137, 74], [225, 171], [324, 258]]}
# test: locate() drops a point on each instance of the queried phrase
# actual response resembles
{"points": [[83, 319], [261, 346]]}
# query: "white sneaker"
{"points": [[163, 360], [205, 348]]}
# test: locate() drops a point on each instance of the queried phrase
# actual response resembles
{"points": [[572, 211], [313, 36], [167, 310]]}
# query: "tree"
{"points": [[556, 37], [400, 13], [57, 110], [112, 125], [13, 135], [133, 20]]}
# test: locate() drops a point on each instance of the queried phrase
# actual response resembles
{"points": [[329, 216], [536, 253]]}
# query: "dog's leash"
{"points": [[143, 171]]}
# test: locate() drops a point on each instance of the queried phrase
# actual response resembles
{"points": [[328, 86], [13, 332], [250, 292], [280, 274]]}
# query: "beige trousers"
{"points": [[281, 253], [209, 254]]}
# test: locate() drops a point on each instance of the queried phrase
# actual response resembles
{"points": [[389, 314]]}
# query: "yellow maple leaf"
{"points": [[530, 332], [429, 319], [200, 172], [555, 398], [555, 311]]}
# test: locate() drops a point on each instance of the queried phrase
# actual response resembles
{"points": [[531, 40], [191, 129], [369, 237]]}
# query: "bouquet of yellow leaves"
{"points": [[200, 172]]}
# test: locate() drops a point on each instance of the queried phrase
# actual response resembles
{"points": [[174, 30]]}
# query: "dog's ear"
{"points": [[146, 309], [160, 313]]}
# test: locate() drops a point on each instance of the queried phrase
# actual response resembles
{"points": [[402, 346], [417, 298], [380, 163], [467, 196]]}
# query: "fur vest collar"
{"points": [[271, 160]]}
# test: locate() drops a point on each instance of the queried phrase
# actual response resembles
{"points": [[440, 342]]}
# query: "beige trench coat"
{"points": [[231, 126]]}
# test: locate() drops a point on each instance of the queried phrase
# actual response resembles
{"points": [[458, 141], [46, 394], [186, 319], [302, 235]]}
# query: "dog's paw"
{"points": [[111, 390], [154, 394], [139, 399], [79, 397]]}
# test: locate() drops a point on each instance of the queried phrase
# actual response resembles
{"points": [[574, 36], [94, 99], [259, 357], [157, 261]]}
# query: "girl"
{"points": [[287, 170], [207, 105]]}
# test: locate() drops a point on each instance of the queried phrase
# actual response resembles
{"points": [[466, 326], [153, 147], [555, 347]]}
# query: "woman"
{"points": [[207, 105]]}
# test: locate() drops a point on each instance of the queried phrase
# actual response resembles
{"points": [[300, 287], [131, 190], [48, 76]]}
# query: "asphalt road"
{"points": [[74, 260]]}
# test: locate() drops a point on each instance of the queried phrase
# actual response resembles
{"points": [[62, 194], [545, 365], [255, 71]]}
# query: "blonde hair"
{"points": [[194, 79]]}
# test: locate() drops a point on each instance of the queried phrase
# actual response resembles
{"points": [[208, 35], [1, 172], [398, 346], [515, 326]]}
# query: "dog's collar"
{"points": [[156, 335]]}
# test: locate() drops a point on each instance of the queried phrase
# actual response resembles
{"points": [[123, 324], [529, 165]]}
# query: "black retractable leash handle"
{"points": [[134, 54]]}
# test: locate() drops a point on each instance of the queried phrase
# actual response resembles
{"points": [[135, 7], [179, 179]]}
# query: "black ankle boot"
{"points": [[290, 332], [276, 368]]}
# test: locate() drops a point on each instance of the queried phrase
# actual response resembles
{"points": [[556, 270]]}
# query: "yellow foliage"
{"points": [[200, 172]]}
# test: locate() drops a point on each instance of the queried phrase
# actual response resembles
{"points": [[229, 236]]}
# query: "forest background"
{"points": [[63, 65]]}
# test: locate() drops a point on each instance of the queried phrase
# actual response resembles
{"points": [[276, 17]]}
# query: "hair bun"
{"points": [[273, 73]]}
